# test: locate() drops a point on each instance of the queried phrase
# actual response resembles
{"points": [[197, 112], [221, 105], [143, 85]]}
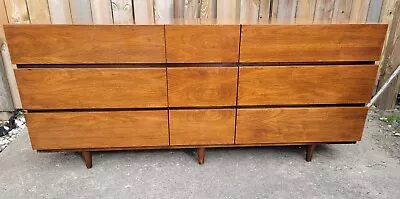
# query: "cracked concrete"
{"points": [[362, 170]]}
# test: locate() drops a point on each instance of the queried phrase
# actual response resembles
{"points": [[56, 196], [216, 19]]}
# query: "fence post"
{"points": [[391, 59], [6, 102], [9, 72]]}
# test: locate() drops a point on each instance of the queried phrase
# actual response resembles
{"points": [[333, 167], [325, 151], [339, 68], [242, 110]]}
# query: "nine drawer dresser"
{"points": [[123, 87]]}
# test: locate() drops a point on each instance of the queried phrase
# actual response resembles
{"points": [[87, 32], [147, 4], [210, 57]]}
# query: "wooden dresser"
{"points": [[109, 87]]}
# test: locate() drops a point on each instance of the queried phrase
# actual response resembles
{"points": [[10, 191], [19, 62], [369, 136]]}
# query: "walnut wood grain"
{"points": [[306, 84], [92, 88], [202, 86], [70, 44], [292, 125], [202, 43], [85, 130], [300, 43], [202, 127]]}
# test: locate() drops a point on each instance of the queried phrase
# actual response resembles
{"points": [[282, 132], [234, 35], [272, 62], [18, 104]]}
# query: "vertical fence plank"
{"points": [[274, 11], [374, 11], [101, 11], [228, 11], [3, 13], [387, 11], [286, 11], [390, 61], [359, 11], [60, 12], [208, 9], [179, 9], [191, 9], [17, 11], [38, 11], [324, 11], [3, 20], [143, 10], [305, 11], [249, 10], [81, 11], [342, 11], [163, 11], [122, 11], [264, 11]]}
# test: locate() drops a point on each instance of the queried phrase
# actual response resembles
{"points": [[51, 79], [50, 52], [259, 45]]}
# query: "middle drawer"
{"points": [[202, 86]]}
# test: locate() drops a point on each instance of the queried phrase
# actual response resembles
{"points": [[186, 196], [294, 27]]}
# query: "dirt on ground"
{"points": [[388, 136]]}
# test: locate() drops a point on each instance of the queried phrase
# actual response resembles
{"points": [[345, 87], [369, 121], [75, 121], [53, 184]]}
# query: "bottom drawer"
{"points": [[80, 130], [288, 125], [202, 127]]}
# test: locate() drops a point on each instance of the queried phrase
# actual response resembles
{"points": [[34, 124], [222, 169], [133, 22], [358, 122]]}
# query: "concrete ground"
{"points": [[363, 170]]}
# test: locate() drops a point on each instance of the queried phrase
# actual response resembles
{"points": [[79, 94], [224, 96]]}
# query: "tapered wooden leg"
{"points": [[310, 151], [201, 152], [87, 156]]}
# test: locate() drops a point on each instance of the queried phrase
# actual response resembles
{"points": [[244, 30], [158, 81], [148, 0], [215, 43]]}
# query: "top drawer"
{"points": [[202, 43], [311, 43], [69, 44]]}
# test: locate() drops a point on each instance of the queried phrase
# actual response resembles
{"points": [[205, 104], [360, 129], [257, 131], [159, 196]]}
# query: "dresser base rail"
{"points": [[87, 153]]}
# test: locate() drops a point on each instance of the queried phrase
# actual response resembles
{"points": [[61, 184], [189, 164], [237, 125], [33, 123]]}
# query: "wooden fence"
{"points": [[166, 11]]}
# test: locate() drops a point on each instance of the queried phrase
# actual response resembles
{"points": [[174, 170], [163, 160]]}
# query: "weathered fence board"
{"points": [[144, 13], [81, 11], [228, 11], [387, 11], [324, 11], [60, 12], [122, 11], [391, 59], [208, 9], [163, 11], [3, 20], [305, 11], [17, 11], [264, 11], [38, 11], [249, 10], [359, 11], [286, 12], [342, 11], [191, 9], [224, 11], [374, 11], [101, 12]]}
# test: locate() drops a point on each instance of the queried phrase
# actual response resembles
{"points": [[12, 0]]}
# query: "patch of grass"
{"points": [[390, 119]]}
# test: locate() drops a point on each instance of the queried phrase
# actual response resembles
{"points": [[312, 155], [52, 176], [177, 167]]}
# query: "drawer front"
{"points": [[306, 84], [69, 44], [202, 127], [84, 130], [202, 44], [309, 43], [300, 125], [92, 88], [202, 86]]}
